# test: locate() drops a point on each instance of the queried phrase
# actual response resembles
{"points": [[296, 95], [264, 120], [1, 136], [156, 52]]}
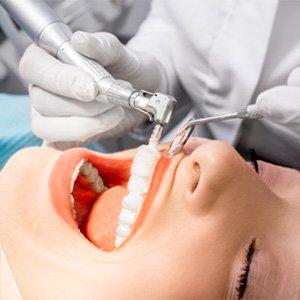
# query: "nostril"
{"points": [[194, 176]]}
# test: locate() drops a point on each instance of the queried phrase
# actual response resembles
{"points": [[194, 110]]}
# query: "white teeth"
{"points": [[126, 216], [146, 153], [86, 168], [123, 230], [138, 184], [93, 175], [144, 169], [98, 185], [72, 201], [132, 202], [119, 240], [75, 174], [142, 165]]}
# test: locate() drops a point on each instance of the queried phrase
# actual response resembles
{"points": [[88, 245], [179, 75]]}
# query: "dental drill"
{"points": [[46, 29]]}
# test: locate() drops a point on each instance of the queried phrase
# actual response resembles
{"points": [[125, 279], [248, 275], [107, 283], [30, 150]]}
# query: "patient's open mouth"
{"points": [[87, 190]]}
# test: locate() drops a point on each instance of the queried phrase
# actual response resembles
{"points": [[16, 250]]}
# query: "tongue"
{"points": [[101, 224]]}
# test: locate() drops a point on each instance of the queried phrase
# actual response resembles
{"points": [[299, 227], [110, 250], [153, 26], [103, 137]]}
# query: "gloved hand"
{"points": [[282, 104], [63, 96]]}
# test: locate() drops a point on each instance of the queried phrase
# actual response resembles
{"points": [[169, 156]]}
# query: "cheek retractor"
{"points": [[138, 185]]}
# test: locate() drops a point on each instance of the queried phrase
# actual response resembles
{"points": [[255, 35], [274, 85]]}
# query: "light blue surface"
{"points": [[15, 131]]}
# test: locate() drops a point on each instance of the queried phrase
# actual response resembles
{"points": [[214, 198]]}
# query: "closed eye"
{"points": [[244, 272]]}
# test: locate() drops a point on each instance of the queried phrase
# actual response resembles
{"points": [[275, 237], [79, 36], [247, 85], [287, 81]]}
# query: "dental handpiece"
{"points": [[46, 29]]}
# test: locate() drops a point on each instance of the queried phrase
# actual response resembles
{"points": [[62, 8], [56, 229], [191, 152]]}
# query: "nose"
{"points": [[216, 156], [211, 168]]}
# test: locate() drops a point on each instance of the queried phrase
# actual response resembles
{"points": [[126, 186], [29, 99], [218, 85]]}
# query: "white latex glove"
{"points": [[282, 104], [63, 96]]}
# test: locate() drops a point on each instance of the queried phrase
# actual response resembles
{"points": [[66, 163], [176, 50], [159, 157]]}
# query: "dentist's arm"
{"points": [[282, 104]]}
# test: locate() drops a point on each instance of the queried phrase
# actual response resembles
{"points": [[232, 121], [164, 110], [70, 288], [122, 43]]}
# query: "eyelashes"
{"points": [[244, 273], [253, 160]]}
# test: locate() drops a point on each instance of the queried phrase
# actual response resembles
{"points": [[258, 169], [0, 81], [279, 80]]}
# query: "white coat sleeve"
{"points": [[215, 49]]}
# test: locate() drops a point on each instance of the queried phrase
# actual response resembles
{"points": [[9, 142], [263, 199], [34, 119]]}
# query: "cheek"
{"points": [[188, 185], [203, 182], [187, 178]]}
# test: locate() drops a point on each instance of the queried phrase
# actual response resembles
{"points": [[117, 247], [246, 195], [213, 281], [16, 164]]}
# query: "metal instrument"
{"points": [[250, 112], [46, 29]]}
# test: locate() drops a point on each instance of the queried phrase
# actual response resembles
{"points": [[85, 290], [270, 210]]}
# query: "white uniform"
{"points": [[224, 53]]}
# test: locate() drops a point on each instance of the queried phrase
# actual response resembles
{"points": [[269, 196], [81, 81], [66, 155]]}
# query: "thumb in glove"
{"points": [[281, 104]]}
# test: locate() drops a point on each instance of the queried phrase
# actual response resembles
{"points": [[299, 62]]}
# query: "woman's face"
{"points": [[211, 227]]}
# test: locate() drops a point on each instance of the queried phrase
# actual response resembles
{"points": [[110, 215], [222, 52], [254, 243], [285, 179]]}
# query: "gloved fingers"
{"points": [[66, 129], [132, 118], [43, 70], [109, 52], [281, 105], [141, 69], [103, 47], [294, 78], [49, 104]]}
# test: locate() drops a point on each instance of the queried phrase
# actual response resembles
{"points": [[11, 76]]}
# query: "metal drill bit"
{"points": [[156, 135]]}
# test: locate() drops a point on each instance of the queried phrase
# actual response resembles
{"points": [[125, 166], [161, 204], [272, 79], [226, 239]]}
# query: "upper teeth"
{"points": [[92, 176], [98, 185], [90, 173], [72, 201], [75, 174], [141, 172]]}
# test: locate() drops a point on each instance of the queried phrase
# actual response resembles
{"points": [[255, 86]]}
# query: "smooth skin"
{"points": [[192, 244]]}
